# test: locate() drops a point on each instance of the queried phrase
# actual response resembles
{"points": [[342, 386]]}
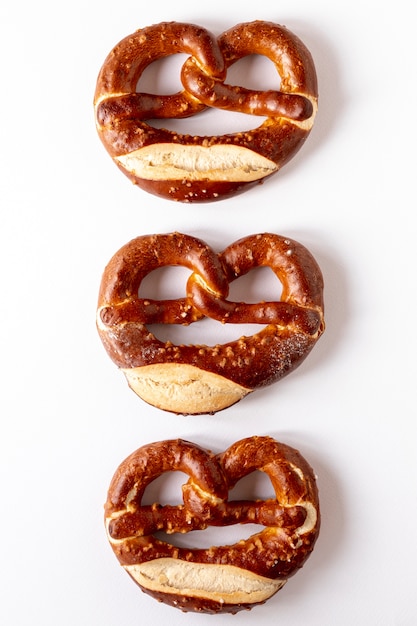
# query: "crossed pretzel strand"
{"points": [[151, 519], [208, 285]]}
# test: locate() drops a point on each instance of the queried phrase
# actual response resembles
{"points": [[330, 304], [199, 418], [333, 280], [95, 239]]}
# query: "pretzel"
{"points": [[193, 379], [203, 168], [220, 579]]}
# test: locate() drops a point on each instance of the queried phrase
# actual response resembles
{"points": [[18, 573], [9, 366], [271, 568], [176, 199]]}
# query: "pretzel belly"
{"points": [[197, 583], [183, 388]]}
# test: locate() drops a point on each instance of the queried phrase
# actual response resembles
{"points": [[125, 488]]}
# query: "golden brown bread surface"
{"points": [[192, 379], [204, 168], [218, 579]]}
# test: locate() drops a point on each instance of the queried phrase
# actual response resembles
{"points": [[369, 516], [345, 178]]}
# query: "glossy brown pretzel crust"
{"points": [[202, 168], [292, 324], [270, 557]]}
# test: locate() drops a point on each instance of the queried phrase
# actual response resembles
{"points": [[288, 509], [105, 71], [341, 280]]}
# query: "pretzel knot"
{"points": [[224, 578], [192, 379], [203, 168]]}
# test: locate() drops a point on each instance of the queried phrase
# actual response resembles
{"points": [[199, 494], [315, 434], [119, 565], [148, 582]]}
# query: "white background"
{"points": [[68, 418]]}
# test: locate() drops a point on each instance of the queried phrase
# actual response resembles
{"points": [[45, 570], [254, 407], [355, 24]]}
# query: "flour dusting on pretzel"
{"points": [[204, 168], [219, 579], [193, 379]]}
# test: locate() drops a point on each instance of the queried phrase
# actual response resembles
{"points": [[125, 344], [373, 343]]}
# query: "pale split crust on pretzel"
{"points": [[193, 379], [183, 388], [225, 585], [202, 168], [218, 579], [173, 162]]}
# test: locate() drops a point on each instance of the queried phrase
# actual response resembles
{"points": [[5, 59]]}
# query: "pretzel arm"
{"points": [[285, 315], [215, 93], [148, 311]]}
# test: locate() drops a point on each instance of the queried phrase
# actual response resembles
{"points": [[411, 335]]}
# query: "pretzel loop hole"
{"points": [[151, 253], [123, 101], [287, 313]]}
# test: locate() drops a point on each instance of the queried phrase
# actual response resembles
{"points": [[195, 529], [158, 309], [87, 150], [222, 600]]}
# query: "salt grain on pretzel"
{"points": [[202, 168], [219, 579], [193, 379]]}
